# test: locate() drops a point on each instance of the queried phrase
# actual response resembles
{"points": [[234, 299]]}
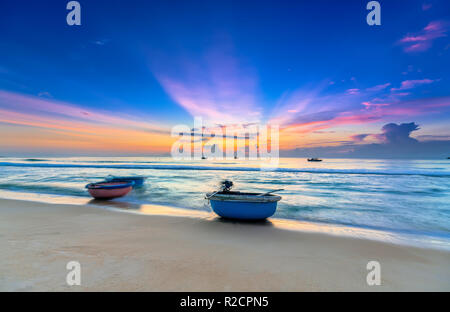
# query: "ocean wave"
{"points": [[35, 159], [213, 168], [44, 189]]}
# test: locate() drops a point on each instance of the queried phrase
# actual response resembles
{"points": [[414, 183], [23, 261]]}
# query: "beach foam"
{"points": [[432, 173]]}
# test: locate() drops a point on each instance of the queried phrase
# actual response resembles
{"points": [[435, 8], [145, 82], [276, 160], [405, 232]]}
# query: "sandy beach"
{"points": [[131, 252]]}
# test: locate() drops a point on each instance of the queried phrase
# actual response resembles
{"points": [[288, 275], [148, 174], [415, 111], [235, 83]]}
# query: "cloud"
{"points": [[295, 133], [417, 107], [297, 104], [40, 107], [431, 137], [329, 119], [410, 84], [216, 87], [402, 94], [372, 105], [43, 124], [426, 6], [101, 42], [308, 111], [422, 40], [420, 150], [396, 143], [358, 137], [352, 91], [378, 87], [45, 94], [398, 134]]}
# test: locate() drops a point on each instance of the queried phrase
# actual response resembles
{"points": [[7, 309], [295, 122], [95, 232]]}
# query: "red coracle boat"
{"points": [[109, 190]]}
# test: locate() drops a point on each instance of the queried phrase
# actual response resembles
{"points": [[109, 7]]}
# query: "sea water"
{"points": [[408, 197]]}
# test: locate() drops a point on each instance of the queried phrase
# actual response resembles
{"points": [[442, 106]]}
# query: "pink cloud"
{"points": [[410, 84], [419, 107], [308, 111], [426, 6], [422, 40], [369, 105], [215, 87], [352, 91], [359, 137], [344, 118], [293, 104], [378, 87], [373, 112], [402, 94], [60, 113]]}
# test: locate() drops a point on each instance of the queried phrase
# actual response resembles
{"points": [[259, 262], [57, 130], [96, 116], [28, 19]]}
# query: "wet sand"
{"points": [[132, 252]]}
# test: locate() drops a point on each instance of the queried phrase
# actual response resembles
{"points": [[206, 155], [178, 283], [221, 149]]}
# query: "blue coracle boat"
{"points": [[243, 206], [138, 181]]}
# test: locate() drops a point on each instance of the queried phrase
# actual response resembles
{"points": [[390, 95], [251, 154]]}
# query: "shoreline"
{"points": [[256, 168], [127, 252], [389, 237]]}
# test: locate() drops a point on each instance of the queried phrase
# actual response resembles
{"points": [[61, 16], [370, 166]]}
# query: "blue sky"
{"points": [[313, 67]]}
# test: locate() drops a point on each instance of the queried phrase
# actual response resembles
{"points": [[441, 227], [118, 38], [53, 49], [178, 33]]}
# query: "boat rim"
{"points": [[243, 197], [120, 184], [124, 178]]}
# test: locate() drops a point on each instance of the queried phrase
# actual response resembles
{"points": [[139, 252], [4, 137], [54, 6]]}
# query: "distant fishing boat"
{"points": [[314, 159], [138, 181], [109, 190], [242, 206]]}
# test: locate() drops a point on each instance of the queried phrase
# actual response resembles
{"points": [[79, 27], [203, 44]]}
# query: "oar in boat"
{"points": [[225, 186], [212, 194], [270, 192]]}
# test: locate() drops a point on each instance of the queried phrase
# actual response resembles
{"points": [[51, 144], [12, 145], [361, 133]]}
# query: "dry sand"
{"points": [[130, 252]]}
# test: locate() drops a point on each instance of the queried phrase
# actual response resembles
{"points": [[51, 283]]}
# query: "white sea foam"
{"points": [[435, 173]]}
